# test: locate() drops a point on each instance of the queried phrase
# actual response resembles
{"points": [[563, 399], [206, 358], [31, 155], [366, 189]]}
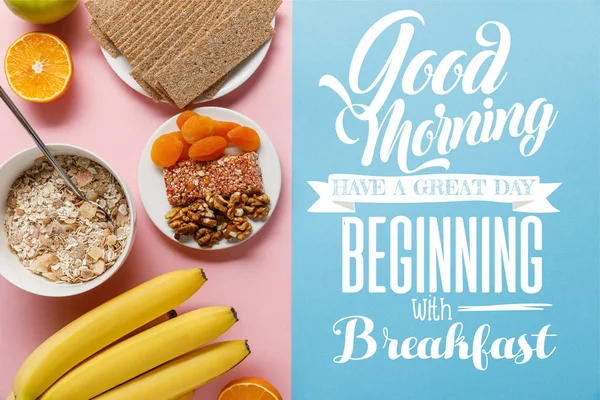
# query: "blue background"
{"points": [[554, 54]]}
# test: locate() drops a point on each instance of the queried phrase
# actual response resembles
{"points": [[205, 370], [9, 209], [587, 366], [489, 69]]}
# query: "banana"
{"points": [[102, 326], [183, 374], [12, 397], [163, 318], [187, 396], [147, 350]]}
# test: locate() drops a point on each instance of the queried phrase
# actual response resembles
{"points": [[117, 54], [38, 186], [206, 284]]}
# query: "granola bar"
{"points": [[189, 180]]}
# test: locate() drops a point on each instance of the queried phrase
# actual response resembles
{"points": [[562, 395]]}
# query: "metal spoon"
{"points": [[15, 110]]}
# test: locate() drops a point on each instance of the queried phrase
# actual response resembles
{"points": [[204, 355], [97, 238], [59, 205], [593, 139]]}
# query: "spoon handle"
{"points": [[39, 142]]}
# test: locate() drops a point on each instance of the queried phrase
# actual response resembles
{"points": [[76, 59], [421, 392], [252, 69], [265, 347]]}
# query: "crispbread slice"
{"points": [[168, 50], [103, 40], [154, 95], [127, 9], [181, 18], [143, 45], [217, 53], [272, 6], [151, 26], [145, 24], [156, 51], [214, 89], [148, 56], [164, 28], [101, 10], [126, 25]]}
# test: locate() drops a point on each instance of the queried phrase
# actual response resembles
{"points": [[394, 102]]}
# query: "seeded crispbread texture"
{"points": [[103, 40], [272, 6], [147, 23], [196, 70], [132, 22], [217, 53], [181, 40], [214, 89], [142, 47], [182, 17], [101, 10], [121, 15], [151, 27], [159, 48], [153, 93], [194, 32], [175, 40]]}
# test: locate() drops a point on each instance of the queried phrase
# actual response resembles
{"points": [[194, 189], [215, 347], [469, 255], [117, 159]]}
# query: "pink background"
{"points": [[101, 113]]}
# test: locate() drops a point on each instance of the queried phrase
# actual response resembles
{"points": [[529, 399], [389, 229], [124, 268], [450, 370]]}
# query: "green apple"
{"points": [[41, 11]]}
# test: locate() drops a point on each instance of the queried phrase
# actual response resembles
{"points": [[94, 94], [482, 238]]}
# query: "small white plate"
{"points": [[152, 186], [239, 75]]}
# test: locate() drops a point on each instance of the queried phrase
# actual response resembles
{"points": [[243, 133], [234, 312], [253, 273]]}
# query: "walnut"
{"points": [[200, 213], [175, 217], [186, 229], [216, 202], [257, 206], [207, 237], [173, 212], [235, 205], [239, 228]]}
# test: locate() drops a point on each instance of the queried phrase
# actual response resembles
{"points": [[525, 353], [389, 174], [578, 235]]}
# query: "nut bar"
{"points": [[189, 180]]}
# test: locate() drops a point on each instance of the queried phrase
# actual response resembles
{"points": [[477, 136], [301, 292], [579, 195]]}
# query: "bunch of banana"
{"points": [[115, 350]]}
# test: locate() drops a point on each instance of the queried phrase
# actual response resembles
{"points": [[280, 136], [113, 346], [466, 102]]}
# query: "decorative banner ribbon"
{"points": [[342, 191]]}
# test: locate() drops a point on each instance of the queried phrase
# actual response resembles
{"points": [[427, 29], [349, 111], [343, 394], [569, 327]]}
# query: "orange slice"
{"points": [[38, 67], [250, 388]]}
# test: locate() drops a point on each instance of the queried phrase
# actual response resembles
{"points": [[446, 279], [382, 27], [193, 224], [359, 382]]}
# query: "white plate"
{"points": [[152, 185], [239, 75]]}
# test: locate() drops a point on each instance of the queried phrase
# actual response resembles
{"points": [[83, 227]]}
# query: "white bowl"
{"points": [[10, 266]]}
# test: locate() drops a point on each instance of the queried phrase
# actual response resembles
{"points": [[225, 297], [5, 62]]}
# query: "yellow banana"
{"points": [[102, 326], [163, 318], [12, 397], [147, 350], [187, 396], [183, 374]]}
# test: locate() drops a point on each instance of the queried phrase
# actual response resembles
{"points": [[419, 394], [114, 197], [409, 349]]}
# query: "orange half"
{"points": [[250, 388], [38, 67]]}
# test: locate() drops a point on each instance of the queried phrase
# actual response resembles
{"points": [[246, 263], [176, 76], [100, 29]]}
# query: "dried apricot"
{"points": [[166, 150], [245, 138], [208, 149], [222, 128], [183, 117], [196, 128], [186, 146]]}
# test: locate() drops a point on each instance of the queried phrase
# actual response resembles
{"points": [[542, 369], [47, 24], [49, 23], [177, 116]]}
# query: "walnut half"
{"points": [[200, 213], [257, 206], [235, 205], [216, 202], [237, 229], [207, 237], [186, 229]]}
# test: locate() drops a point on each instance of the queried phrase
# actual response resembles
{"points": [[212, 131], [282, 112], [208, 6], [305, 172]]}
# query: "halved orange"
{"points": [[249, 388], [38, 67]]}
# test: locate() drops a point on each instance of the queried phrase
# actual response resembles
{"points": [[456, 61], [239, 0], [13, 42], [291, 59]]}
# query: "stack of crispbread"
{"points": [[181, 49]]}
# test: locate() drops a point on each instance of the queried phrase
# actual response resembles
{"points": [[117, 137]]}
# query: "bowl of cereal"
{"points": [[53, 243]]}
